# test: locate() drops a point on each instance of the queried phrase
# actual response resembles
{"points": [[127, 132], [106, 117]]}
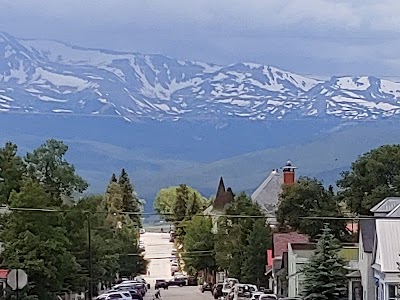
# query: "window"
{"points": [[115, 296], [392, 292]]}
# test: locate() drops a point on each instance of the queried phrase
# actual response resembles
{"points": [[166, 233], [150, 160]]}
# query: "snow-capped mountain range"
{"points": [[38, 76]]}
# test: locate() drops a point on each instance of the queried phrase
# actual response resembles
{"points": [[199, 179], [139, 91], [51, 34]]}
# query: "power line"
{"points": [[47, 210]]}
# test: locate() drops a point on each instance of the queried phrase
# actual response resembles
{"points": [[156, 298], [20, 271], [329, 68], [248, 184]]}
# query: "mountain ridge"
{"points": [[42, 76]]}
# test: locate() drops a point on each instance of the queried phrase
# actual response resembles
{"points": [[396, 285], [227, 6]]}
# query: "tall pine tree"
{"points": [[130, 200], [325, 275]]}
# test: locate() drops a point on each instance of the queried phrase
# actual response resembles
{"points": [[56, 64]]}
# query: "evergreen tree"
{"points": [[129, 197], [12, 170], [325, 275], [180, 206], [113, 178], [258, 241], [113, 200]]}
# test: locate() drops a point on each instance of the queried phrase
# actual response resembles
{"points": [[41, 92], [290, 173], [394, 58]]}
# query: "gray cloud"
{"points": [[308, 36]]}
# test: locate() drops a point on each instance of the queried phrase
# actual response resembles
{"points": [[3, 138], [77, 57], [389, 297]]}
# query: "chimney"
{"points": [[288, 174]]}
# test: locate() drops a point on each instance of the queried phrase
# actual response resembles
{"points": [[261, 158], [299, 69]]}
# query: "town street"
{"points": [[158, 251]]}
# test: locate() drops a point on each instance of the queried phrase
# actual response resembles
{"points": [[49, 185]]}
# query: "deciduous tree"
{"points": [[47, 165], [164, 203], [308, 198], [37, 242], [374, 176], [199, 245], [258, 241], [12, 170]]}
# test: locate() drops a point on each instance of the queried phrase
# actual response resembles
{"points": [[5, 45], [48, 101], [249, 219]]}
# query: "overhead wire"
{"points": [[24, 209]]}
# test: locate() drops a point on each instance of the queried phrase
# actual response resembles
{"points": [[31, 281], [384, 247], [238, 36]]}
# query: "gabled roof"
{"points": [[395, 212], [267, 194], [281, 240], [386, 205], [367, 232], [388, 244], [303, 250]]}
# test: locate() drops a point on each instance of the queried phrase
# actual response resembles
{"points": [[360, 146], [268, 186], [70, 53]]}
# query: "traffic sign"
{"points": [[17, 279]]}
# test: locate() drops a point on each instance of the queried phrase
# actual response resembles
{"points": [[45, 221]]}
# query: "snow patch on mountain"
{"points": [[53, 77]]}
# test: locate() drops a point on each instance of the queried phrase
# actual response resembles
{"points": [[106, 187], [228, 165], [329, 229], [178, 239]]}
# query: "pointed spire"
{"points": [[221, 187]]}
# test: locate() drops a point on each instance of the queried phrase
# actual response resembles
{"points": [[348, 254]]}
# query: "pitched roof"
{"points": [[367, 232], [281, 240], [303, 250], [223, 196], [395, 212], [267, 194], [386, 205], [303, 246], [388, 245]]}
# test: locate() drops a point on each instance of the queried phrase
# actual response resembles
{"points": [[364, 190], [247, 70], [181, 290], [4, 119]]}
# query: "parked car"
{"points": [[135, 294], [207, 286], [192, 281], [142, 231], [217, 290], [161, 284], [140, 287], [115, 295], [177, 281], [268, 297]]}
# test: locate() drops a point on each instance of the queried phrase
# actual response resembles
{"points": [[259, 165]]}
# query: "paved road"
{"points": [[182, 293], [158, 251]]}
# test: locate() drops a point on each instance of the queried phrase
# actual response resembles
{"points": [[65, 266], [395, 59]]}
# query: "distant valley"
{"points": [[170, 121]]}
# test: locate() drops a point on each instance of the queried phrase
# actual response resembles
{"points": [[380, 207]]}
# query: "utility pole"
{"points": [[89, 233]]}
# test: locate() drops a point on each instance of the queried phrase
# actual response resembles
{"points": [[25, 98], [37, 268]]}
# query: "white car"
{"points": [[115, 295], [256, 295], [268, 297]]}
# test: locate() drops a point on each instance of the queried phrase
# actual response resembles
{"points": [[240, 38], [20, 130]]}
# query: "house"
{"points": [[299, 254], [386, 257], [280, 242], [223, 198], [267, 194], [366, 247]]}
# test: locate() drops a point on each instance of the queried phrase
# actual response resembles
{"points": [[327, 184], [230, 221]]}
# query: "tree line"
{"points": [[44, 229], [323, 213], [238, 246]]}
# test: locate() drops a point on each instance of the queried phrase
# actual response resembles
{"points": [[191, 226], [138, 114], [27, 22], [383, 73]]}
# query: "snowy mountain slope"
{"points": [[52, 77]]}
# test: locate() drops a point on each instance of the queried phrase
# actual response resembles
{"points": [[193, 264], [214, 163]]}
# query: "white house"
{"points": [[366, 247], [298, 255], [385, 258]]}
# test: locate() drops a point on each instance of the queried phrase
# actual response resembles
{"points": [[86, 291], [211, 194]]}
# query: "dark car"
{"points": [[161, 284], [192, 281], [217, 290], [207, 286], [177, 281]]}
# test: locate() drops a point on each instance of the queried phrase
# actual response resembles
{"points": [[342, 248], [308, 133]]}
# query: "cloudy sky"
{"points": [[325, 37]]}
